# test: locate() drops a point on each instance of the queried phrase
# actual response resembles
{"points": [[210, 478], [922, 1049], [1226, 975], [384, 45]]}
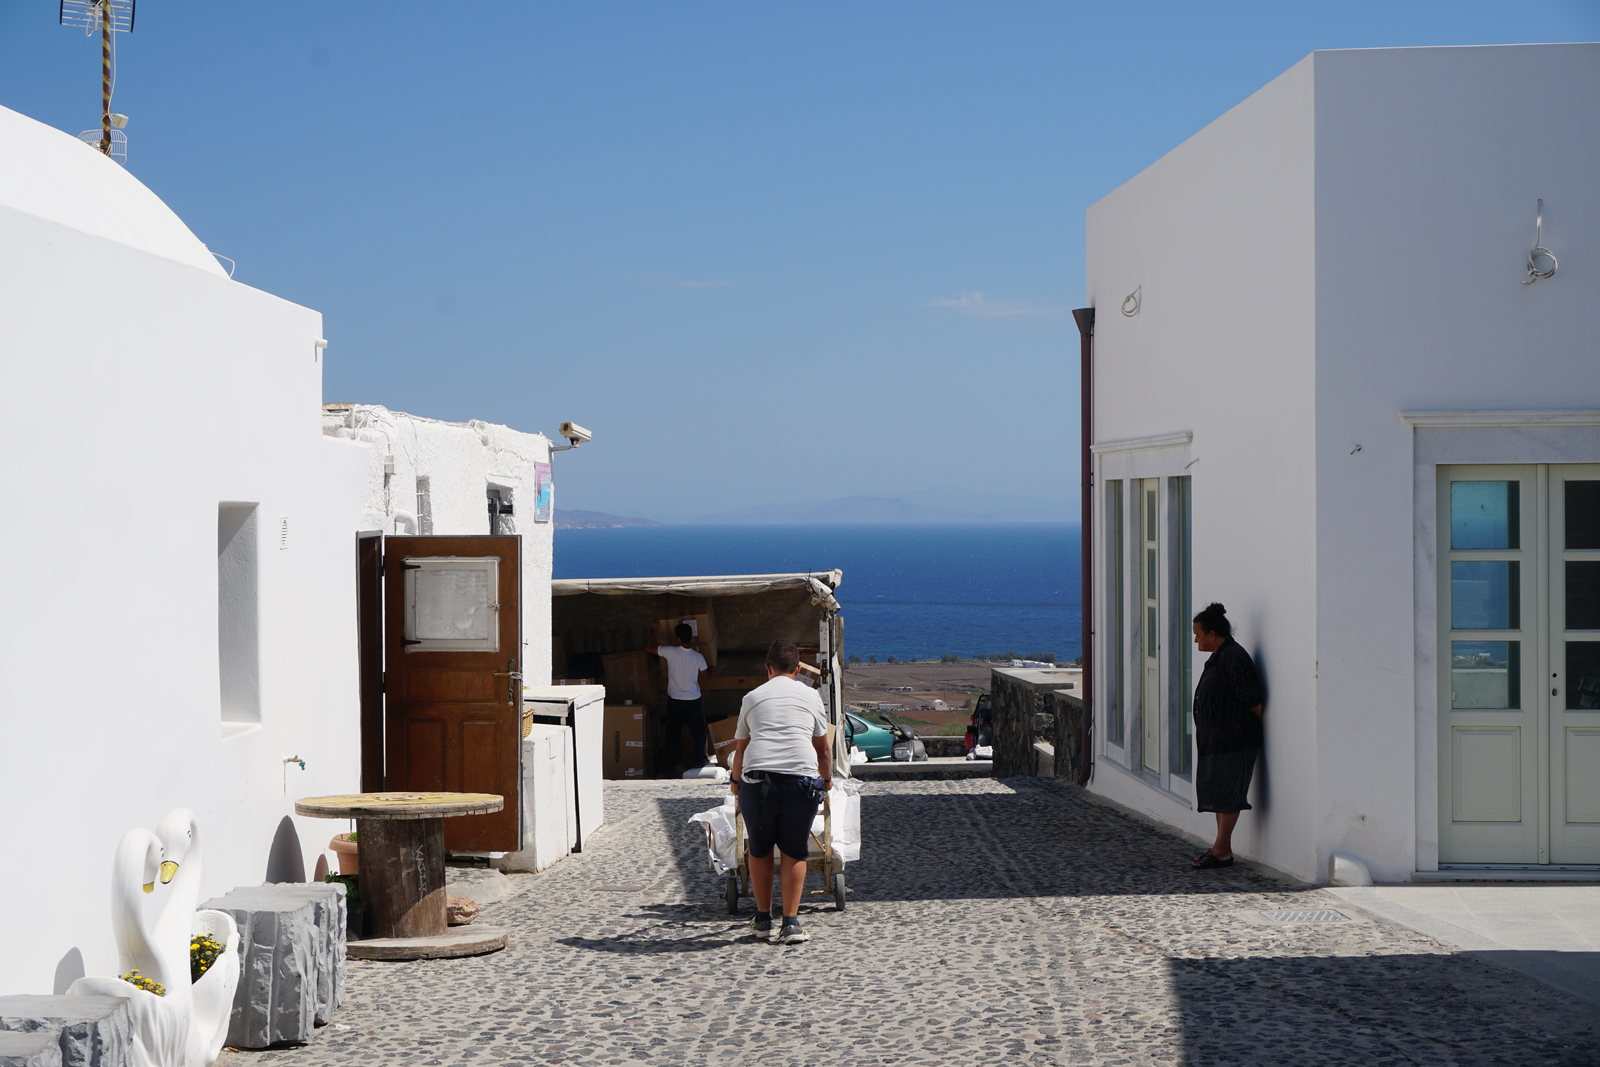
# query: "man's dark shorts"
{"points": [[778, 812]]}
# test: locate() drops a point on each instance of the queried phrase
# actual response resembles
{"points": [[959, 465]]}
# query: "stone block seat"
{"points": [[291, 938], [28, 1049], [84, 1031]]}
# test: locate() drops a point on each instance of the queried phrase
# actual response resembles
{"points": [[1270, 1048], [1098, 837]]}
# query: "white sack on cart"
{"points": [[845, 803], [719, 821]]}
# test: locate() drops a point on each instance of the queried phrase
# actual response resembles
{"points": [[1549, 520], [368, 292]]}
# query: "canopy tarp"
{"points": [[820, 584]]}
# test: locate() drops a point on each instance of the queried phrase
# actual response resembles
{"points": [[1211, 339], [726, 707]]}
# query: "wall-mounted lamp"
{"points": [[1540, 255]]}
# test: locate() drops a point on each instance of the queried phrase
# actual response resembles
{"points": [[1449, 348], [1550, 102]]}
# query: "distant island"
{"points": [[846, 509], [968, 507], [597, 520]]}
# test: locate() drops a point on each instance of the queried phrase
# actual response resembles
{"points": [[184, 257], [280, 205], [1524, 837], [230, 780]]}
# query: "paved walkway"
{"points": [[1550, 931], [991, 922]]}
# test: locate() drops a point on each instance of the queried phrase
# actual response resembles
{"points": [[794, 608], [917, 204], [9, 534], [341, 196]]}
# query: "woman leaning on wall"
{"points": [[1227, 730]]}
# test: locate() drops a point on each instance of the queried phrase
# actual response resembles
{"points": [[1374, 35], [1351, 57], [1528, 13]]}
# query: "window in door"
{"points": [[1115, 620], [1149, 562]]}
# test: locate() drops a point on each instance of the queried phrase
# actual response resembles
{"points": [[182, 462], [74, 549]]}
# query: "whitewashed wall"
{"points": [[143, 389], [1344, 245], [1429, 161], [461, 461], [1217, 237]]}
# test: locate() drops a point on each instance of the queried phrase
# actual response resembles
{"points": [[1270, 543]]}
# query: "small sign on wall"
{"points": [[543, 493]]}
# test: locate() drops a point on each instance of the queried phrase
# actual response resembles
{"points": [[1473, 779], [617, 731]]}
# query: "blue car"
{"points": [[875, 741]]}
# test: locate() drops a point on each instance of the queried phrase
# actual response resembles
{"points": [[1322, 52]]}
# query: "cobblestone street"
{"points": [[989, 922]]}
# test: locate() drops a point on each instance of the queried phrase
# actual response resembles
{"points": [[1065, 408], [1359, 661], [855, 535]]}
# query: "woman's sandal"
{"points": [[1209, 862]]}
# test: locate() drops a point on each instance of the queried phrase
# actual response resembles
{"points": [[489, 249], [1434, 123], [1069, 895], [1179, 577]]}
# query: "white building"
{"points": [[1324, 396], [181, 624], [428, 477], [180, 607]]}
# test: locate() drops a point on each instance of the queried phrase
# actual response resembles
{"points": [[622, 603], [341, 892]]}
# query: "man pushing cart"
{"points": [[782, 770]]}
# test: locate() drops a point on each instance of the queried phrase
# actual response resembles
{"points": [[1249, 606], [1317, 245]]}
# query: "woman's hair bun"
{"points": [[1213, 619]]}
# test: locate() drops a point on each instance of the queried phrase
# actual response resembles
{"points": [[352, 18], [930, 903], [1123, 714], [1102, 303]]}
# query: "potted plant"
{"points": [[349, 859]]}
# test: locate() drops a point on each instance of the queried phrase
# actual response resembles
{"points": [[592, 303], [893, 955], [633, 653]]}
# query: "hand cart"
{"points": [[822, 859]]}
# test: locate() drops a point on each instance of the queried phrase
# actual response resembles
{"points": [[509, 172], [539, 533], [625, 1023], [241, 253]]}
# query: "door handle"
{"points": [[511, 682]]}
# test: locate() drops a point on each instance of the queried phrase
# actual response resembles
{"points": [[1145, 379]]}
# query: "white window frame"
{"points": [[1164, 456]]}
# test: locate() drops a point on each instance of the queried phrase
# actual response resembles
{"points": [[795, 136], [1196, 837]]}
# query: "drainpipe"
{"points": [[1085, 320]]}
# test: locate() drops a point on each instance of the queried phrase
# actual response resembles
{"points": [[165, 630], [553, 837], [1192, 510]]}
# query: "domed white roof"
{"points": [[54, 176]]}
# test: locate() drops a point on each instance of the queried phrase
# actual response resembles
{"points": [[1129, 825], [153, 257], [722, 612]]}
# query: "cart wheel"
{"points": [[838, 891], [731, 894]]}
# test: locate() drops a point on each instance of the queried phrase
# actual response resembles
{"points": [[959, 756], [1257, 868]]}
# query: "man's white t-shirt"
{"points": [[683, 671], [780, 718]]}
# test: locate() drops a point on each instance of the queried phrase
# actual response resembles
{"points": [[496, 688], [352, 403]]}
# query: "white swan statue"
{"points": [[212, 996], [187, 1026], [160, 1026]]}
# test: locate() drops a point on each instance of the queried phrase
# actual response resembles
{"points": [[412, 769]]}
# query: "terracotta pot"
{"points": [[349, 857]]}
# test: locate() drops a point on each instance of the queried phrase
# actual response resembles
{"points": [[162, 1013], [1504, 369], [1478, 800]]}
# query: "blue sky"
{"points": [[766, 252]]}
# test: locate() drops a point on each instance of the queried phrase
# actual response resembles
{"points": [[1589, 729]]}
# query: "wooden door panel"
{"points": [[1582, 765], [453, 716], [454, 687], [1487, 765], [424, 756]]}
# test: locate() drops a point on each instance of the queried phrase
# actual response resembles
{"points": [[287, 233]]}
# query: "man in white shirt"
{"points": [[781, 771], [685, 668]]}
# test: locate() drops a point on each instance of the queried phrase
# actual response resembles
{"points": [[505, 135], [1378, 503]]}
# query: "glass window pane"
{"points": [[1484, 514], [1152, 584], [1150, 648], [1583, 514], [1485, 674], [1114, 609], [1583, 674], [1583, 596], [1484, 596], [1150, 515]]}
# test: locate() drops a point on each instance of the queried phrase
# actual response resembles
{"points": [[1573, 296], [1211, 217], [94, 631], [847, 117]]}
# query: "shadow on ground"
{"points": [[1032, 838], [1425, 1009]]}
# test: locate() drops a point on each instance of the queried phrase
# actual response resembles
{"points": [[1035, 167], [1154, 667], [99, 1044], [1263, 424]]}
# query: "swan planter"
{"points": [[186, 1026]]}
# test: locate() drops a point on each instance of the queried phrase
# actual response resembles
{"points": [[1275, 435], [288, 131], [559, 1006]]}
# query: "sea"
{"points": [[912, 592]]}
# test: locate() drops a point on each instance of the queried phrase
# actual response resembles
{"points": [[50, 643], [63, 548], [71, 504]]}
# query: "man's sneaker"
{"points": [[792, 933], [761, 926]]}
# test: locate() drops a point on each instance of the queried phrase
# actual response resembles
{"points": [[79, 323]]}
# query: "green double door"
{"points": [[1519, 664]]}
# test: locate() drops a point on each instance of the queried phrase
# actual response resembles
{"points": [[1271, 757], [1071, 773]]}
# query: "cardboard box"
{"points": [[722, 739], [623, 741], [705, 634], [627, 677]]}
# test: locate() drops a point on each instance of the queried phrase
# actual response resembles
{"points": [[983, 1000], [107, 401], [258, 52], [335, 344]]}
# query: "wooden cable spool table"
{"points": [[401, 841]]}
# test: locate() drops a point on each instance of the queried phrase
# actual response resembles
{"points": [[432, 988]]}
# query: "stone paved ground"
{"points": [[990, 922]]}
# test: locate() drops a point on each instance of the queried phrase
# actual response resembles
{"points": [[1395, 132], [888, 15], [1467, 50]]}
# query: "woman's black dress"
{"points": [[1226, 731]]}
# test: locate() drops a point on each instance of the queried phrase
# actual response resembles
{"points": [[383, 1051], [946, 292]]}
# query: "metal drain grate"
{"points": [[1325, 915]]}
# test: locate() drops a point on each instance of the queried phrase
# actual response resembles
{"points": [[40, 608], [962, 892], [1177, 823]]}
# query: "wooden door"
{"points": [[453, 685], [369, 643], [1492, 625], [1574, 664]]}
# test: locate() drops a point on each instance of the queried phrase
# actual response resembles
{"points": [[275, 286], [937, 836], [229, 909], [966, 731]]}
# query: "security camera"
{"points": [[575, 433]]}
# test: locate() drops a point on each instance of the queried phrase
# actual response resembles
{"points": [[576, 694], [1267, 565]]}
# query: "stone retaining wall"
{"points": [[1032, 706]]}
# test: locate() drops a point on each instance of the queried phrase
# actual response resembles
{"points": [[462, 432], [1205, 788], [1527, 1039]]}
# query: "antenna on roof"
{"points": [[107, 16]]}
